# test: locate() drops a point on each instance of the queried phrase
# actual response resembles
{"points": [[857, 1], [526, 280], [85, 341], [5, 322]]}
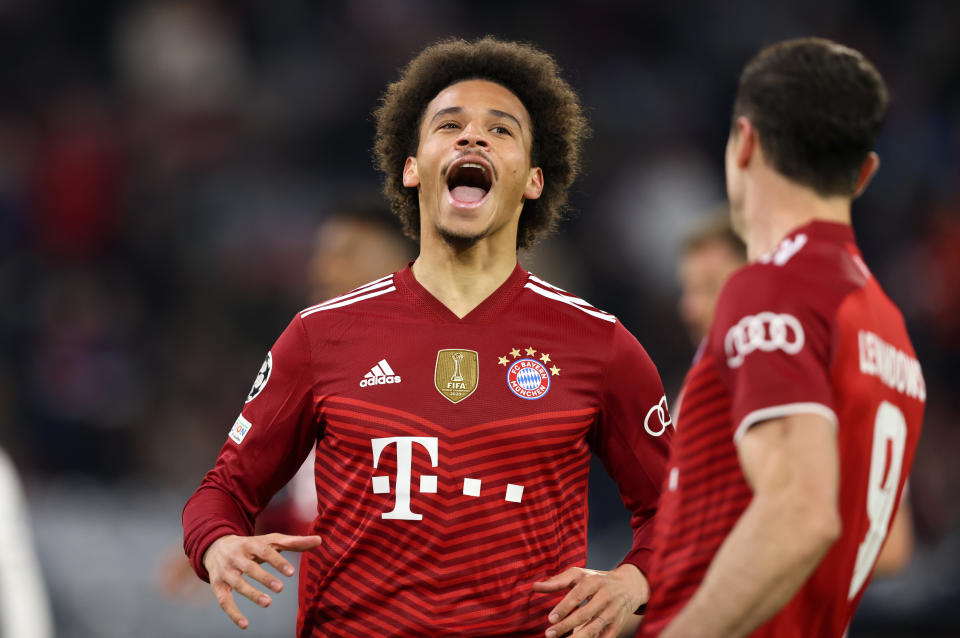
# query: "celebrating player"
{"points": [[797, 426], [453, 405]]}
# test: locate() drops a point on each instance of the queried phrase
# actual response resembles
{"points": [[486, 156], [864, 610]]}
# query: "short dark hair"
{"points": [[559, 126], [817, 107]]}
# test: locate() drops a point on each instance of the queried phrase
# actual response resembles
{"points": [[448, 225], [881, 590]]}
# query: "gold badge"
{"points": [[456, 374]]}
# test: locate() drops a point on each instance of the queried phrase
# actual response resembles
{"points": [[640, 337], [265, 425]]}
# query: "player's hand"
{"points": [[598, 602], [230, 560]]}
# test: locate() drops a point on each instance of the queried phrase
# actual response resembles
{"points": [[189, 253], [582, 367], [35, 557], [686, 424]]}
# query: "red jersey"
{"points": [[452, 455], [805, 330]]}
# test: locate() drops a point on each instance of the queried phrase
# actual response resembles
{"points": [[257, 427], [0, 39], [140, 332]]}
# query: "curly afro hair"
{"points": [[559, 126]]}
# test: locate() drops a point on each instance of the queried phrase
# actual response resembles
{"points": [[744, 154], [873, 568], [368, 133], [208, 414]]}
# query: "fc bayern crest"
{"points": [[528, 379]]}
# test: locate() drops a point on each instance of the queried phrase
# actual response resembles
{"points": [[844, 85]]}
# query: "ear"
{"points": [[534, 184], [745, 142], [411, 179], [867, 170]]}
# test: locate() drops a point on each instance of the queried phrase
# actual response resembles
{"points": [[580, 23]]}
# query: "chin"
{"points": [[460, 238]]}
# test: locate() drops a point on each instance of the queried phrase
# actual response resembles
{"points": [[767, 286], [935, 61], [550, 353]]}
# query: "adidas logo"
{"points": [[380, 374]]}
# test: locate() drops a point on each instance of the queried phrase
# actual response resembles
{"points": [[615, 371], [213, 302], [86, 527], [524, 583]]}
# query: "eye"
{"points": [[448, 125], [501, 130]]}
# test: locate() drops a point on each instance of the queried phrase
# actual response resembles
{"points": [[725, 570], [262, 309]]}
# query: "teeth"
{"points": [[473, 165]]}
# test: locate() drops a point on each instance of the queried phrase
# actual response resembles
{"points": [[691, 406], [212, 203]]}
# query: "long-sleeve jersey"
{"points": [[452, 454], [805, 330]]}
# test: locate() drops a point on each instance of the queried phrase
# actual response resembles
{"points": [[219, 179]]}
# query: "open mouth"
{"points": [[468, 182]]}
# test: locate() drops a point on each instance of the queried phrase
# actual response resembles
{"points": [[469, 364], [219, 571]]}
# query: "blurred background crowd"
{"points": [[164, 168]]}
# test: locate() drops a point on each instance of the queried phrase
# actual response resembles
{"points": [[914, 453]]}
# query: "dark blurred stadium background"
{"points": [[163, 166]]}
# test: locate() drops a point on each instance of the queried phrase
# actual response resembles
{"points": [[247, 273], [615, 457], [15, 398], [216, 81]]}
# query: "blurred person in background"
{"points": [[24, 607], [356, 243], [708, 256], [797, 425], [451, 478]]}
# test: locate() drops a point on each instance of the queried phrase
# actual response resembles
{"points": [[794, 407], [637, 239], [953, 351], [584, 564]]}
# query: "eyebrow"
{"points": [[459, 109]]}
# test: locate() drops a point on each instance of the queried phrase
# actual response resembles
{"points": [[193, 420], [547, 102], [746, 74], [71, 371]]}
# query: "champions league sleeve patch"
{"points": [[262, 377]]}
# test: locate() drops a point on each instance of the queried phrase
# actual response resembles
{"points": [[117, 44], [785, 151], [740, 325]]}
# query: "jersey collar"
{"points": [[485, 311]]}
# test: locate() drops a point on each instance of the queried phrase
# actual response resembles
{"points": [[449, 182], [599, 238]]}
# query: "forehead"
{"points": [[479, 94]]}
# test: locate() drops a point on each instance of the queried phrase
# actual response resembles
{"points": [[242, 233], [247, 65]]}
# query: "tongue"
{"points": [[468, 193]]}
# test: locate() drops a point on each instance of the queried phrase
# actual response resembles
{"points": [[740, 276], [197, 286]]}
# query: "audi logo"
{"points": [[660, 409], [766, 331]]}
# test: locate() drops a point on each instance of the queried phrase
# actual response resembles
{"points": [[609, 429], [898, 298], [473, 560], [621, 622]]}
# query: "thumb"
{"points": [[563, 580], [294, 543]]}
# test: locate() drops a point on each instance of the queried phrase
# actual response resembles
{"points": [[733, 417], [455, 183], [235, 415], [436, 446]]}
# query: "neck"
{"points": [[462, 277], [774, 206]]}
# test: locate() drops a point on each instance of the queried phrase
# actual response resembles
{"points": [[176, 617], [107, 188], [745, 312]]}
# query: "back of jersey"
{"points": [[879, 394]]}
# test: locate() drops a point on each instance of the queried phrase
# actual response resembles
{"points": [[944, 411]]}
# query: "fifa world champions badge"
{"points": [[456, 374]]}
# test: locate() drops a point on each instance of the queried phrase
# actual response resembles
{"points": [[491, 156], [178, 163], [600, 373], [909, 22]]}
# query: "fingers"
{"points": [[230, 560], [243, 587], [606, 624], [586, 586], [224, 594], [263, 577], [565, 579], [293, 543], [588, 615], [268, 552]]}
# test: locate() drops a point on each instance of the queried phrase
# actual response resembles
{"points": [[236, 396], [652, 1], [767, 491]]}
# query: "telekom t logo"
{"points": [[381, 484]]}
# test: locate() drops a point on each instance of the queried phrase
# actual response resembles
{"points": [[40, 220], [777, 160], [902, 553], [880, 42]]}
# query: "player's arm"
{"points": [[632, 437], [792, 466], [273, 435]]}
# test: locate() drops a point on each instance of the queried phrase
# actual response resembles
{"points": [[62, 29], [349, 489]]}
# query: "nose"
{"points": [[470, 136]]}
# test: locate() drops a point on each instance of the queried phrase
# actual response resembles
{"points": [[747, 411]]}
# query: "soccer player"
{"points": [[797, 426], [453, 405]]}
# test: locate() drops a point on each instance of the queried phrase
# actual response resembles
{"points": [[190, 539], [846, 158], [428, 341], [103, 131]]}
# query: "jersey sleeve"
{"points": [[771, 340], [266, 445], [632, 436]]}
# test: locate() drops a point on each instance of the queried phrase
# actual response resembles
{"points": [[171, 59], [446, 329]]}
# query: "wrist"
{"points": [[208, 552], [637, 585]]}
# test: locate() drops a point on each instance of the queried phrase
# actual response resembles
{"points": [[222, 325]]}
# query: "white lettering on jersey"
{"points": [[787, 249], [381, 484], [765, 331], [380, 374], [894, 367], [663, 416]]}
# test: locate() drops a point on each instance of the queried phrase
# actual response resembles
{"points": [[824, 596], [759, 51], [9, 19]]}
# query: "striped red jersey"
{"points": [[805, 330], [452, 455]]}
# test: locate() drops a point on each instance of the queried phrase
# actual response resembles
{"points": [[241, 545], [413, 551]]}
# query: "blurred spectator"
{"points": [[708, 256]]}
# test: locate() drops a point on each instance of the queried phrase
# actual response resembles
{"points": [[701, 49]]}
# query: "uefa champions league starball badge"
{"points": [[262, 377]]}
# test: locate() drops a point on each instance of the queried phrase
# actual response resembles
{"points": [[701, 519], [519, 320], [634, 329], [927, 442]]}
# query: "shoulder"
{"points": [[800, 273], [555, 299], [381, 289]]}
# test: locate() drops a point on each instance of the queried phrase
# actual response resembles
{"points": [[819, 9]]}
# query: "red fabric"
{"points": [[468, 565], [817, 277]]}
